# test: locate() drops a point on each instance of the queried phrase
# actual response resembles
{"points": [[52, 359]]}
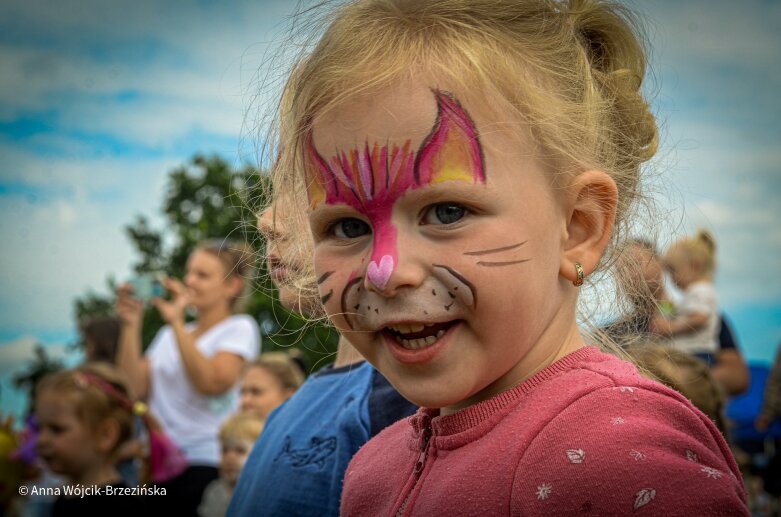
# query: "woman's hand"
{"points": [[173, 310], [129, 308]]}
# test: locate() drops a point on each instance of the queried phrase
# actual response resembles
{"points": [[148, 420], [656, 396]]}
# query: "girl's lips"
{"points": [[279, 274], [279, 271], [418, 351]]}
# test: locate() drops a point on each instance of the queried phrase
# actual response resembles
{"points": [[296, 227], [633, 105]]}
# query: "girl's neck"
{"points": [[346, 354], [210, 317]]}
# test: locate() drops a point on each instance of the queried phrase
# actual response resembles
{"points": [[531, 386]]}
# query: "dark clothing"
{"points": [[184, 492], [105, 500]]}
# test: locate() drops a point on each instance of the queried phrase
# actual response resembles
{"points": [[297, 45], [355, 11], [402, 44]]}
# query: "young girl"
{"points": [[85, 415], [269, 381], [466, 164], [695, 327]]}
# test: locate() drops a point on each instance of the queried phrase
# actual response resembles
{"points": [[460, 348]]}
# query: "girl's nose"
{"points": [[386, 275]]}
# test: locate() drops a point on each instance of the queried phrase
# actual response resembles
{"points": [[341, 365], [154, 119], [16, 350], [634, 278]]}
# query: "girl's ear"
{"points": [[592, 201], [107, 435], [235, 285]]}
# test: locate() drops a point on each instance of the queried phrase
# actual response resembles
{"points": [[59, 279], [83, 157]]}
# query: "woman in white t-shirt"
{"points": [[691, 263], [190, 373]]}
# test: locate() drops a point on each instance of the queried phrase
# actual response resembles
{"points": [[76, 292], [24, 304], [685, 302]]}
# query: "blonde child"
{"points": [[84, 416], [269, 381], [237, 436], [691, 263], [467, 165]]}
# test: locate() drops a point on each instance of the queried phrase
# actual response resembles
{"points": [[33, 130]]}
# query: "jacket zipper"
{"points": [[425, 439]]}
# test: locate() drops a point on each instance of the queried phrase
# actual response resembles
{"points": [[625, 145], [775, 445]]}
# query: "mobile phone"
{"points": [[146, 287]]}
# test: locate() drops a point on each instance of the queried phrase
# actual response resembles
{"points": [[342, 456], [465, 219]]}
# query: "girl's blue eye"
{"points": [[444, 213], [350, 228]]}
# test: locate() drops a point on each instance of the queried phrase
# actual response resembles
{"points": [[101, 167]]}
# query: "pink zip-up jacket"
{"points": [[588, 434]]}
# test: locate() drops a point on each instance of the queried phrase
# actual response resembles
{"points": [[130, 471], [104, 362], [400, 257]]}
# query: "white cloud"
{"points": [[14, 355], [64, 246], [153, 74]]}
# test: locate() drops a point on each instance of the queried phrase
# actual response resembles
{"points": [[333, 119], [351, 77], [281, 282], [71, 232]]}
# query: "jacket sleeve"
{"points": [[620, 450]]}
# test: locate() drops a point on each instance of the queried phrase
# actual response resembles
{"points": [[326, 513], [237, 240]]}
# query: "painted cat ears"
{"points": [[451, 151]]}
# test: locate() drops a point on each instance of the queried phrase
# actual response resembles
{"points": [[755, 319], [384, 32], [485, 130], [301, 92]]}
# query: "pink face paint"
{"points": [[372, 180], [379, 275]]}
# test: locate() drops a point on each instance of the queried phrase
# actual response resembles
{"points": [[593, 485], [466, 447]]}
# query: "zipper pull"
{"points": [[424, 441]]}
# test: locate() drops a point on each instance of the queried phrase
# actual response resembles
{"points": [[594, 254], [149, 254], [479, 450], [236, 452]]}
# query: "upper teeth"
{"points": [[409, 328]]}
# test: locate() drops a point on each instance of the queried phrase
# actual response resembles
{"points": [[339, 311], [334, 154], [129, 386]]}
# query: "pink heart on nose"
{"points": [[379, 275]]}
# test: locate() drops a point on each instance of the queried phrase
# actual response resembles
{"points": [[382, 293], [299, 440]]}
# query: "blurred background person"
{"points": [[771, 403], [694, 328], [191, 370], [640, 276], [237, 436], [85, 415], [100, 336], [269, 381]]}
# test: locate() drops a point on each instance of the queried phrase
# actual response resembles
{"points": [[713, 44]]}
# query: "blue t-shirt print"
{"points": [[315, 453]]}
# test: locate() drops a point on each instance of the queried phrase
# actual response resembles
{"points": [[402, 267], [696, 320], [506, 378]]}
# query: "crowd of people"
{"points": [[449, 176]]}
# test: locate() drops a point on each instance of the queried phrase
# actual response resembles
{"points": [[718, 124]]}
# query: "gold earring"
{"points": [[579, 280]]}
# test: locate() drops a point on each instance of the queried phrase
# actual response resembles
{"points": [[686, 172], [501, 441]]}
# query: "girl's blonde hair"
{"points": [[238, 260], [700, 249], [245, 425], [282, 367], [85, 386], [570, 70], [684, 373]]}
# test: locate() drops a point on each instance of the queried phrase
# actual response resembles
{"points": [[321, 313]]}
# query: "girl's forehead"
{"points": [[392, 115], [406, 113], [203, 259], [56, 403]]}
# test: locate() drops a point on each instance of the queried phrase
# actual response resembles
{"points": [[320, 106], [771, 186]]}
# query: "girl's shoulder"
{"points": [[240, 321], [638, 437]]}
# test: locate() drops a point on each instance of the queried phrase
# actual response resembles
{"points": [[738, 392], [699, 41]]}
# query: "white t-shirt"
{"points": [[700, 298], [190, 418]]}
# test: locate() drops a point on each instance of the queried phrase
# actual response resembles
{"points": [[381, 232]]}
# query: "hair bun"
{"points": [[706, 238], [608, 34]]}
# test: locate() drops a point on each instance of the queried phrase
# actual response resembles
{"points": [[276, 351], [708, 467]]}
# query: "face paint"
{"points": [[444, 289], [372, 180], [473, 303]]}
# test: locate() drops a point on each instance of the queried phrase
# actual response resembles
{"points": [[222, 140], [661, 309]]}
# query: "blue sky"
{"points": [[99, 100]]}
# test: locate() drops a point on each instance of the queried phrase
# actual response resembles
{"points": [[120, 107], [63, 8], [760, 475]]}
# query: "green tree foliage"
{"points": [[41, 366], [207, 199]]}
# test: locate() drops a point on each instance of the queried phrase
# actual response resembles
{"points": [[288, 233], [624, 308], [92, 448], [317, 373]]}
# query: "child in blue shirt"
{"points": [[297, 466]]}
